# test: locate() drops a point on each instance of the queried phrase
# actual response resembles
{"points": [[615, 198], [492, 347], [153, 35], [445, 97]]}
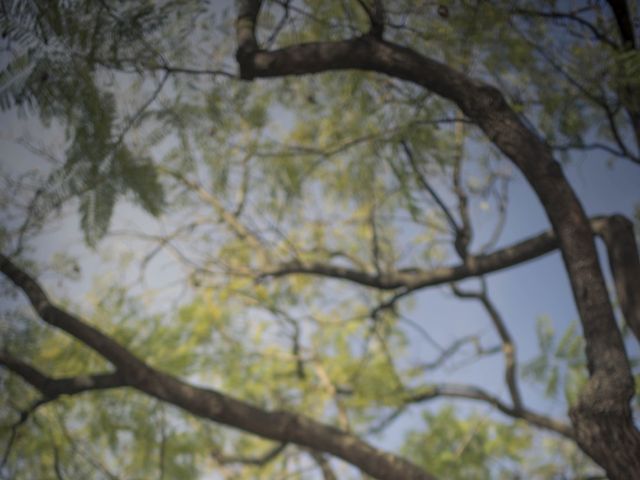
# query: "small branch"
{"points": [[465, 232], [570, 16], [375, 241], [592, 146], [51, 388], [138, 113], [244, 187], [475, 393], [24, 416], [84, 450], [230, 218], [280, 25], [502, 199], [375, 13], [330, 388], [615, 131], [389, 304], [508, 346], [325, 466], [450, 351], [189, 70], [386, 421], [423, 181]]}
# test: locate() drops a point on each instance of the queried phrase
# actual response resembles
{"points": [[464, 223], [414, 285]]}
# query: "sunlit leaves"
{"points": [[457, 447]]}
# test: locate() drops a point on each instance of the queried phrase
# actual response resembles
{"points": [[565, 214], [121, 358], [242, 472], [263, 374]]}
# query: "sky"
{"points": [[522, 293]]}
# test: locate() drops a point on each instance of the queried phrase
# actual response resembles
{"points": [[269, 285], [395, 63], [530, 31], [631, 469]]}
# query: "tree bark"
{"points": [[602, 417]]}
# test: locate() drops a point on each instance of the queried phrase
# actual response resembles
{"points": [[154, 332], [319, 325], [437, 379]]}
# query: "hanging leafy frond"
{"points": [[140, 177], [96, 209]]}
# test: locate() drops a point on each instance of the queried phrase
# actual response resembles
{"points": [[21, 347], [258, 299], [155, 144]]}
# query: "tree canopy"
{"points": [[257, 197]]}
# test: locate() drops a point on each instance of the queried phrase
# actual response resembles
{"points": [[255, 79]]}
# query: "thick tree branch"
{"points": [[602, 416], [416, 278], [375, 12], [280, 426], [618, 235], [119, 356], [425, 184], [624, 22], [616, 231]]}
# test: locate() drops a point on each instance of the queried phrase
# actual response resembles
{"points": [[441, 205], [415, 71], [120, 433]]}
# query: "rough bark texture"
{"points": [[602, 419]]}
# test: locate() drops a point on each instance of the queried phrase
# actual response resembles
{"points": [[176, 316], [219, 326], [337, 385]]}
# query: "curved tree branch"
{"points": [[508, 345], [52, 388], [616, 231], [602, 417], [415, 278], [280, 426]]}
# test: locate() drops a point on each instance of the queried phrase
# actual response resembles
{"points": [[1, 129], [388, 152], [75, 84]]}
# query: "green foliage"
{"points": [[561, 361], [312, 170], [455, 447]]}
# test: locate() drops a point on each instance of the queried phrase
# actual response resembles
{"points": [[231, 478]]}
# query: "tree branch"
{"points": [[573, 17], [324, 465], [280, 426], [416, 278], [52, 388], [616, 231], [475, 393], [602, 416], [425, 184], [119, 356], [508, 345], [618, 235]]}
